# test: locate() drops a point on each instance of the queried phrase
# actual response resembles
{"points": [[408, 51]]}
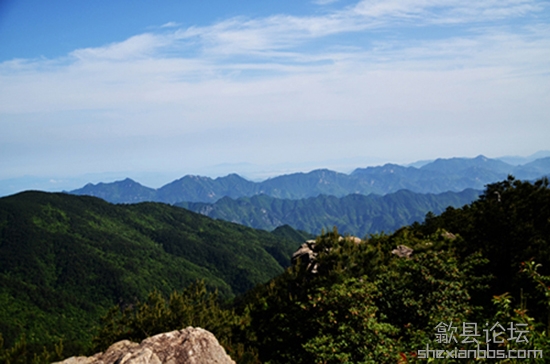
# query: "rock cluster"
{"points": [[403, 251], [188, 346], [448, 235], [353, 239], [307, 255]]}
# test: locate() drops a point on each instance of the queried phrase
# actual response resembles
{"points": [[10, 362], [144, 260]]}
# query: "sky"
{"points": [[155, 90]]}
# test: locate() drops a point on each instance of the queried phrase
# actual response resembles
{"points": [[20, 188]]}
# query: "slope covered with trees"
{"points": [[64, 260], [484, 264], [358, 215], [509, 224]]}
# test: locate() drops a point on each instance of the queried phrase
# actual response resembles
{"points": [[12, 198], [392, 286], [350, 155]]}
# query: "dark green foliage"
{"points": [[194, 306], [346, 325], [509, 224], [305, 318], [22, 352], [287, 232], [365, 305], [65, 259], [486, 262], [358, 215], [418, 293]]}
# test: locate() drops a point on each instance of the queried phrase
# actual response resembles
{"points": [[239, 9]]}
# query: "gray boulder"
{"points": [[188, 346], [403, 251], [306, 255]]}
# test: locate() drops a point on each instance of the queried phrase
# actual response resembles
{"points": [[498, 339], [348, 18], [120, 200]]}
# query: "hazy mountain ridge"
{"points": [[355, 214], [441, 175], [125, 191], [65, 259], [483, 262], [518, 160]]}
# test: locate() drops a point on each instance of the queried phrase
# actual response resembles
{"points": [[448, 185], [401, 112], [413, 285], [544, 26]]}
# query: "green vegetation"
{"points": [[364, 305], [486, 263], [367, 305], [508, 225], [355, 214], [65, 260]]}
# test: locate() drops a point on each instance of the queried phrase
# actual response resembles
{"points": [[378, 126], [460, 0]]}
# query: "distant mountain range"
{"points": [[441, 175], [517, 160], [355, 214]]}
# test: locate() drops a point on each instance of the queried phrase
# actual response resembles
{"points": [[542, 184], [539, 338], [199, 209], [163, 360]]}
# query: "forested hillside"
{"points": [[391, 298], [384, 299], [64, 260], [358, 215], [485, 263]]}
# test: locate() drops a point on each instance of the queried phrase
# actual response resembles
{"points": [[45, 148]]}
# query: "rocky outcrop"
{"points": [[353, 239], [188, 346], [307, 255], [448, 235], [402, 251]]}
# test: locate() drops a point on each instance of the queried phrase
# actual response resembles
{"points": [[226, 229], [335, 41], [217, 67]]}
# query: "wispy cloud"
{"points": [[360, 73], [445, 11], [302, 45], [281, 34], [139, 46], [170, 24]]}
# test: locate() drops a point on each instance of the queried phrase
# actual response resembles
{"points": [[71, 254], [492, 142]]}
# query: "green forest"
{"points": [[353, 214], [478, 277], [66, 260]]}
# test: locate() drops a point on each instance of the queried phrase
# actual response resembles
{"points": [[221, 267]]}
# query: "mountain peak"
{"points": [[232, 176], [443, 174], [127, 180]]}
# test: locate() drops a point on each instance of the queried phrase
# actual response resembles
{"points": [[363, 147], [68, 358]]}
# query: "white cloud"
{"points": [[260, 86], [170, 24], [445, 11], [139, 46]]}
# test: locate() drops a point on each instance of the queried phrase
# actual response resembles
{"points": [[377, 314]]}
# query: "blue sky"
{"points": [[155, 90]]}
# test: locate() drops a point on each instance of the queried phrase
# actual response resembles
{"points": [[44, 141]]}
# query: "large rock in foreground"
{"points": [[188, 346]]}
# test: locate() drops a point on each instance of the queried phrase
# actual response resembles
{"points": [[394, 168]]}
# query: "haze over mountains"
{"points": [[441, 175], [65, 259], [366, 201]]}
